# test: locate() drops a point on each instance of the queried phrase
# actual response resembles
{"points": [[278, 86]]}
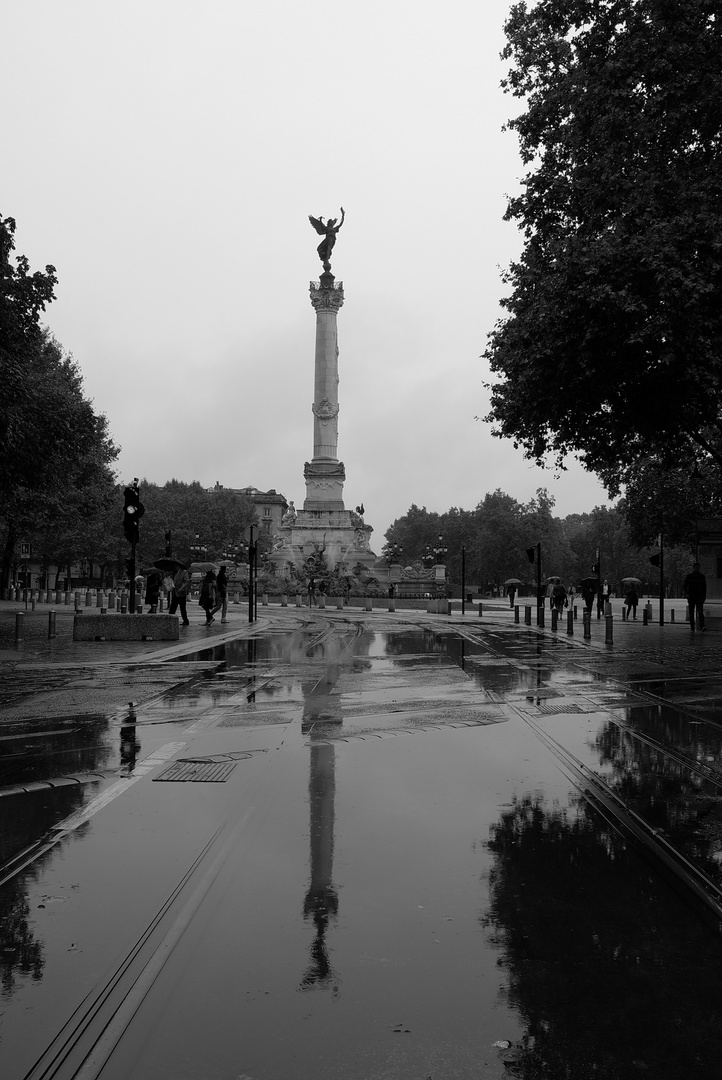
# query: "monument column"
{"points": [[325, 474]]}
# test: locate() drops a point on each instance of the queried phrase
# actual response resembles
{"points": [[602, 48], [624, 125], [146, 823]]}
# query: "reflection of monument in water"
{"points": [[321, 901], [324, 536]]}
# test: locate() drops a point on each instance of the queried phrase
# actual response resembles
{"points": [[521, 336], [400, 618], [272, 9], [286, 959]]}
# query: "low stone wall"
{"points": [[90, 626]]}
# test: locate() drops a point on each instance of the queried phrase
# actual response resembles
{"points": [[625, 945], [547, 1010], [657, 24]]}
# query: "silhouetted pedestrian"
{"points": [[695, 589], [209, 595], [222, 595], [631, 599], [181, 591]]}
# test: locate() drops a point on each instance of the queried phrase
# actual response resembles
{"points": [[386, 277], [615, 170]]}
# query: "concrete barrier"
{"points": [[89, 626]]}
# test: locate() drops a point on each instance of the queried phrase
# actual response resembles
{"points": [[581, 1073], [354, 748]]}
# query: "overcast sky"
{"points": [[165, 155]]}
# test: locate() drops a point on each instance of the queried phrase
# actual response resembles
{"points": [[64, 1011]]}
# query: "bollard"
{"points": [[51, 624], [671, 615], [88, 598], [570, 623], [77, 601], [392, 604], [555, 620], [369, 604], [607, 608], [99, 601], [299, 600], [32, 604], [645, 617], [576, 613], [527, 614], [322, 600], [481, 609], [339, 602], [540, 615], [19, 627], [587, 619], [284, 600], [624, 614], [124, 603], [516, 612], [609, 629]]}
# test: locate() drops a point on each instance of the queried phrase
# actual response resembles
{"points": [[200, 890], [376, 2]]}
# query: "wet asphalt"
{"points": [[361, 844]]}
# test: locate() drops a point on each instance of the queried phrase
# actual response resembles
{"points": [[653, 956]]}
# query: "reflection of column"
{"points": [[321, 902]]}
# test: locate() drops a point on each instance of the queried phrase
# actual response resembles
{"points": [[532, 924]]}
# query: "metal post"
{"points": [[250, 575], [527, 614], [463, 579], [661, 578], [555, 620], [51, 624], [570, 623], [609, 630], [481, 609], [587, 619], [516, 613], [19, 616], [131, 574]]}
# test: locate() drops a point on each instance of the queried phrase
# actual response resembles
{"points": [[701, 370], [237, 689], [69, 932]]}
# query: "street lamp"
{"points": [[440, 552], [198, 550]]}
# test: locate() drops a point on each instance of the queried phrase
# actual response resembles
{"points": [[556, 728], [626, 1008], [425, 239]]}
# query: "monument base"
{"points": [[323, 542]]}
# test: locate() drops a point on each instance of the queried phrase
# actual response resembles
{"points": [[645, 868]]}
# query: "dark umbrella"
{"points": [[152, 570], [513, 581], [589, 581], [168, 563]]}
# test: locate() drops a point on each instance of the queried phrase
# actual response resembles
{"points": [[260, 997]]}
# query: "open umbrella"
{"points": [[513, 581], [554, 580], [152, 570], [203, 567], [631, 581], [589, 581], [168, 564]]}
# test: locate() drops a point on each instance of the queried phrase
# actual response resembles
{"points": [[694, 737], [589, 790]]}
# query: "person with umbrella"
{"points": [[181, 589]]}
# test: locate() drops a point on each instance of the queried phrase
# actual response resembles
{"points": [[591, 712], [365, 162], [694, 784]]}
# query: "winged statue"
{"points": [[328, 231]]}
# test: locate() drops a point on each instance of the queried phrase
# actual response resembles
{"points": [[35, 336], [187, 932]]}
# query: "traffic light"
{"points": [[130, 568], [596, 568], [655, 559], [530, 554], [132, 512]]}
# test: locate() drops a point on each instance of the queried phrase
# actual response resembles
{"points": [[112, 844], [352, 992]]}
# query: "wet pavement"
{"points": [[361, 845]]}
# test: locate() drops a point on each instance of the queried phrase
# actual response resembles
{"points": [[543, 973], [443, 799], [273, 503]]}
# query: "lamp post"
{"points": [[198, 550], [392, 553], [440, 553]]}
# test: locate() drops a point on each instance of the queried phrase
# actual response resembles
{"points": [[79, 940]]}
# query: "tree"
{"points": [[612, 343]]}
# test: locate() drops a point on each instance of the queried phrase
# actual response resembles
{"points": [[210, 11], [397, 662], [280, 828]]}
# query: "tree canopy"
{"points": [[55, 451], [611, 347]]}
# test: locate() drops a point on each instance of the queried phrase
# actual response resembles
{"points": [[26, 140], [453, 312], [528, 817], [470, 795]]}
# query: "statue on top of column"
{"points": [[328, 232]]}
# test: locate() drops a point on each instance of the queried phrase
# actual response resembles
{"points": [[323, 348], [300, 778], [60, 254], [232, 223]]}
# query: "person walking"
{"points": [[222, 597], [695, 589], [311, 591], [631, 599], [181, 591], [209, 596], [588, 591], [512, 594], [559, 598], [152, 592]]}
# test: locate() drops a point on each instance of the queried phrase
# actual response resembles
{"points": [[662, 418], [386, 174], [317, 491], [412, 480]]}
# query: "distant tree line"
{"points": [[497, 533]]}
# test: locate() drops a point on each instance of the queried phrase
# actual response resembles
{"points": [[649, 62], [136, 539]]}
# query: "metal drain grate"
{"points": [[197, 772], [557, 710]]}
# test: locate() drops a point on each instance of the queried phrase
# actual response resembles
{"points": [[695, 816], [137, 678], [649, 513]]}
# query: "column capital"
{"points": [[326, 294]]}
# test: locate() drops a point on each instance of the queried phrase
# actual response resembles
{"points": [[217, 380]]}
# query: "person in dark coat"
{"points": [[631, 599], [181, 592], [588, 592], [222, 598], [209, 594], [695, 589], [152, 592]]}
